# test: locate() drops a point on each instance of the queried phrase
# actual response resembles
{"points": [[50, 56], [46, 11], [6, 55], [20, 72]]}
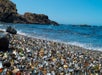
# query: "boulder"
{"points": [[4, 44], [11, 30], [6, 64]]}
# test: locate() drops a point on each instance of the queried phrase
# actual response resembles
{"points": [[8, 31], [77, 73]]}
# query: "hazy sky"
{"points": [[64, 11]]}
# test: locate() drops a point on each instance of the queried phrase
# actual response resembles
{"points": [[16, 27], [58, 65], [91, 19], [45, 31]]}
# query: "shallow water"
{"points": [[84, 36]]}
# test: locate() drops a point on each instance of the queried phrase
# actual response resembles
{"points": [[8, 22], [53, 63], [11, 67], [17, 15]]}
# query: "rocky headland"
{"points": [[9, 14]]}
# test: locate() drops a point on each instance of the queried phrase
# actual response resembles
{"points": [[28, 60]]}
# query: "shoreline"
{"points": [[89, 45], [64, 43]]}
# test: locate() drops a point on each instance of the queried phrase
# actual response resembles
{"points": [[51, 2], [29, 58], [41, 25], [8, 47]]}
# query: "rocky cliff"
{"points": [[9, 14]]}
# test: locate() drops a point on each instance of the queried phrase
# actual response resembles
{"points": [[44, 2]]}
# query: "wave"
{"points": [[2, 30], [86, 46], [83, 45], [21, 33]]}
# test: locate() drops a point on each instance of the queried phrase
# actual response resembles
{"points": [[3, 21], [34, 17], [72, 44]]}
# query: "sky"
{"points": [[64, 11]]}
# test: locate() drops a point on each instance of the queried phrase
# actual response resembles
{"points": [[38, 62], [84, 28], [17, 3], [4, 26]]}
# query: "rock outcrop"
{"points": [[7, 11], [9, 14]]}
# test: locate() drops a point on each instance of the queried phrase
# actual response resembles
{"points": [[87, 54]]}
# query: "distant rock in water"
{"points": [[9, 14], [84, 25], [11, 30]]}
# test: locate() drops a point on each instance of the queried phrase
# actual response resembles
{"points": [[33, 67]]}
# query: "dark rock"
{"points": [[9, 14], [13, 56], [4, 44], [11, 30], [6, 64]]}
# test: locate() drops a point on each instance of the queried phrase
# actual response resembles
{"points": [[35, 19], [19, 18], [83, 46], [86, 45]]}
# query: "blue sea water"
{"points": [[89, 37]]}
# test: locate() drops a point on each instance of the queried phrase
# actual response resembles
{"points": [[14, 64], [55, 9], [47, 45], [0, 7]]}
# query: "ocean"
{"points": [[89, 37]]}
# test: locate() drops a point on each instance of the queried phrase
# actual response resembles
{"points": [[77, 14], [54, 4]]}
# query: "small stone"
{"points": [[28, 50], [62, 73], [65, 66], [23, 58], [14, 52], [45, 71], [41, 50], [5, 56], [1, 54], [15, 70], [48, 74]]}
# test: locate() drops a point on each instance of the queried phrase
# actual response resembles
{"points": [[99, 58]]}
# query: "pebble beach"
{"points": [[33, 43], [32, 56]]}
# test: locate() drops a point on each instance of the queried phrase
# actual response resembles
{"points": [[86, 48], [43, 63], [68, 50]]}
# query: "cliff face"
{"points": [[9, 14]]}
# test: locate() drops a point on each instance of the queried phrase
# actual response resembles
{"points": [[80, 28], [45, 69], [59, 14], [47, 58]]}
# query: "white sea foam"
{"points": [[2, 29], [86, 46], [21, 33]]}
